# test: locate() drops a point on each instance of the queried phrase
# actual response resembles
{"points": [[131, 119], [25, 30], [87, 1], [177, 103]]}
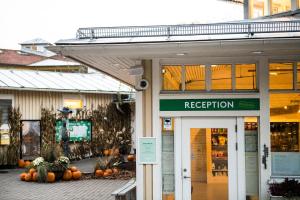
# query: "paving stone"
{"points": [[11, 188]]}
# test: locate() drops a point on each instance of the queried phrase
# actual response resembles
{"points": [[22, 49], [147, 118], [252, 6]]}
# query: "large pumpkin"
{"points": [[67, 175], [50, 177], [109, 171], [22, 176], [76, 175], [21, 163], [27, 163], [99, 173], [31, 171], [106, 174], [28, 177], [34, 176], [73, 169]]}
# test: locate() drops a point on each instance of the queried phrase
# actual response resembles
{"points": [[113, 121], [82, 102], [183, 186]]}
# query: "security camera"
{"points": [[142, 84]]}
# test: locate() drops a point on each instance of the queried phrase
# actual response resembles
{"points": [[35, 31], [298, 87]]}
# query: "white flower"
{"points": [[38, 161], [63, 159]]}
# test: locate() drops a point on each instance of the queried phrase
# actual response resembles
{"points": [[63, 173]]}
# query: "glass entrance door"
{"points": [[209, 159]]}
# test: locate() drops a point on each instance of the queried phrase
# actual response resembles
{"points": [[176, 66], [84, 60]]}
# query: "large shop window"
{"points": [[221, 77], [278, 6], [285, 134], [281, 76], [257, 8], [167, 159]]}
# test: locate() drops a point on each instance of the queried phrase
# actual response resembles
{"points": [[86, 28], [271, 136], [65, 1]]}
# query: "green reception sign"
{"points": [[147, 149], [209, 104], [79, 130]]}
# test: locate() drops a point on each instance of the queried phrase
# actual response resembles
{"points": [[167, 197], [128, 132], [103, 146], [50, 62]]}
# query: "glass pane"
{"points": [[221, 77], [285, 147], [171, 76], [279, 6], [298, 75], [245, 77], [281, 75], [257, 8], [251, 157], [168, 177], [195, 77], [209, 163], [5, 105]]}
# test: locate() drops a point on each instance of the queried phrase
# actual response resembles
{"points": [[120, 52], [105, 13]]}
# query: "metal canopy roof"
{"points": [[61, 82]]}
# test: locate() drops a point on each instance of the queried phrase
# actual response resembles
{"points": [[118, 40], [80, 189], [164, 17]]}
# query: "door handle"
{"points": [[186, 177]]}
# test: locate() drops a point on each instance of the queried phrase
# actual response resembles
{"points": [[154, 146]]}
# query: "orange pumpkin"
{"points": [[67, 175], [109, 171], [106, 152], [99, 173], [73, 169], [50, 177], [115, 171], [34, 176], [22, 176], [31, 171], [21, 163], [130, 157], [106, 174], [76, 175], [27, 163], [28, 177]]}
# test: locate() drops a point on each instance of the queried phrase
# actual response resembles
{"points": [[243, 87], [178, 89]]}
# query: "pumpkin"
{"points": [[21, 163], [99, 173], [27, 163], [50, 177], [28, 177], [34, 176], [73, 169], [76, 175], [22, 176], [31, 171], [109, 171], [106, 152], [67, 175], [106, 174], [115, 171], [130, 157]]}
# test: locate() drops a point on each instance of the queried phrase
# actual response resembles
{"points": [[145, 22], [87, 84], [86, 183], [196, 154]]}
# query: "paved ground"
{"points": [[11, 188]]}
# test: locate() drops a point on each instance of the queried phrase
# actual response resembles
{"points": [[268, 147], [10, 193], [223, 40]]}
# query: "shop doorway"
{"points": [[209, 159]]}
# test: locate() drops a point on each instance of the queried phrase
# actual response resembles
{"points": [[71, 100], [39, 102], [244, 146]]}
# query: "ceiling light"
{"points": [[257, 52], [285, 107], [274, 73], [181, 54], [298, 111]]}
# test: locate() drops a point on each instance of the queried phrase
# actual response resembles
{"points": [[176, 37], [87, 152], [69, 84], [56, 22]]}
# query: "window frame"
{"points": [[208, 81], [8, 97]]}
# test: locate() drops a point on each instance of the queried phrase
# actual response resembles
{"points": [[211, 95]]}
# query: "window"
{"points": [[221, 77], [257, 8], [285, 145], [278, 6], [281, 75], [168, 159], [245, 77], [5, 105], [195, 77], [205, 78], [171, 76]]}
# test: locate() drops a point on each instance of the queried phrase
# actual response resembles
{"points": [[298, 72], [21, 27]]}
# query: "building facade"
{"points": [[217, 106]]}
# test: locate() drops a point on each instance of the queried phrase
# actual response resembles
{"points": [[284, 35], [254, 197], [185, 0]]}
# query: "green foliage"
{"points": [[42, 173]]}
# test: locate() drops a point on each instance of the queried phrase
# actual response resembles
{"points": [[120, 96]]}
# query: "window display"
{"points": [[219, 152]]}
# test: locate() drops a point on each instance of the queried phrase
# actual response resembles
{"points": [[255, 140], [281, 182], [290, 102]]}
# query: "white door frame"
{"points": [[237, 165]]}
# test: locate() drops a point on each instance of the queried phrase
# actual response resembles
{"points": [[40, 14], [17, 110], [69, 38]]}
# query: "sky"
{"points": [[22, 20]]}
